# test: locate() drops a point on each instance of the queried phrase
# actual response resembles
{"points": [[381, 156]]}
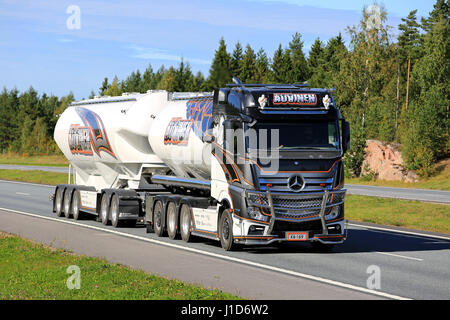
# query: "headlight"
{"points": [[334, 213], [255, 214]]}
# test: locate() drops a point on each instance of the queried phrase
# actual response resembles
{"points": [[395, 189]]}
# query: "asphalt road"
{"points": [[411, 265], [425, 195]]}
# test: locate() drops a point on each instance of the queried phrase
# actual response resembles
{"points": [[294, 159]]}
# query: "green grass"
{"points": [[47, 161], [32, 271], [34, 176], [440, 181], [401, 213]]}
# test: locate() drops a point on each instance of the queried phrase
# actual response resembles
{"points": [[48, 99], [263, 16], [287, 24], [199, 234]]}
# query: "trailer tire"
{"points": [[185, 222], [158, 216], [67, 203], [114, 211], [75, 206], [104, 209], [226, 231], [172, 221], [58, 202]]}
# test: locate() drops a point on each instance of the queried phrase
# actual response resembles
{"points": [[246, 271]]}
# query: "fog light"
{"points": [[255, 230]]}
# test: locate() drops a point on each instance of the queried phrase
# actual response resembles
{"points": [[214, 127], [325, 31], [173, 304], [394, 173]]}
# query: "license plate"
{"points": [[297, 236]]}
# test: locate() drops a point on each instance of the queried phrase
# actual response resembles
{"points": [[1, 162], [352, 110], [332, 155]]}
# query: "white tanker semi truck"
{"points": [[244, 165]]}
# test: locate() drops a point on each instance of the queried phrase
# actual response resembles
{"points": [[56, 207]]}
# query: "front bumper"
{"points": [[294, 212]]}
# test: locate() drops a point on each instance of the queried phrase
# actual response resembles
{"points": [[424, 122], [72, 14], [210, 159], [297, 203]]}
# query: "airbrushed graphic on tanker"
{"points": [[177, 132], [91, 137], [199, 118]]}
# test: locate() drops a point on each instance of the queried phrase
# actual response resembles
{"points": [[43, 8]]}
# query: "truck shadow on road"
{"points": [[361, 241]]}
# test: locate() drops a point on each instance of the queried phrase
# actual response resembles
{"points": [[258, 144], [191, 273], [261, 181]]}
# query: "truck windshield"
{"points": [[317, 135]]}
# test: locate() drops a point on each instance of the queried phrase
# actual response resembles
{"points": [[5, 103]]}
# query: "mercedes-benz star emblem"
{"points": [[296, 183]]}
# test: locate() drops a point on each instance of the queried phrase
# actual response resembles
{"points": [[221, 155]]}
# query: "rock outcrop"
{"points": [[386, 163]]}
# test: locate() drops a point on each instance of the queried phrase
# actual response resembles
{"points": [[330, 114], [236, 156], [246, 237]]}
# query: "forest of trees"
{"points": [[394, 89]]}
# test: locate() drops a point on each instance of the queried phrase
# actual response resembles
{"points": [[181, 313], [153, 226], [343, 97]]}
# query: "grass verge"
{"points": [[401, 213], [440, 181], [33, 271], [47, 161], [34, 176]]}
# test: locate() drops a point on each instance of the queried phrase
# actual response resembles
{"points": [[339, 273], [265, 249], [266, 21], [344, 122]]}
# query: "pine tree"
{"points": [[157, 77], [236, 61], [169, 81], [279, 66], [114, 89], [299, 69], [147, 79], [262, 67], [317, 65], [104, 86], [219, 73], [184, 79], [248, 65]]}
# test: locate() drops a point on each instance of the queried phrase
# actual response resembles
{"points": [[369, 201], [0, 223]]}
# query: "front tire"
{"points": [[226, 231]]}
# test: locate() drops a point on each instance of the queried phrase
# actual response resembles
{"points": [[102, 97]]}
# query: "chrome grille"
{"points": [[295, 206], [279, 182]]}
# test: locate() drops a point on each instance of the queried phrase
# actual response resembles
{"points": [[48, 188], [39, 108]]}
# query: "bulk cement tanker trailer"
{"points": [[247, 164]]}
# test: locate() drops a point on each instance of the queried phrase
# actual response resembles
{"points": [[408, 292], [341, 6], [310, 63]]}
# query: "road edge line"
{"points": [[215, 255]]}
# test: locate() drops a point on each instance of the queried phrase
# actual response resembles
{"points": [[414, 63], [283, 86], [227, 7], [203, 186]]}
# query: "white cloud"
{"points": [[160, 54]]}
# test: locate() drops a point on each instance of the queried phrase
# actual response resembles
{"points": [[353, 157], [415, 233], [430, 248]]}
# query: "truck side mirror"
{"points": [[345, 135]]}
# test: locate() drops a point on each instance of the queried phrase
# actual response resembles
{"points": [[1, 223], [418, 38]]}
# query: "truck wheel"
{"points": [[76, 205], [226, 231], [158, 218], [185, 222], [114, 212], [58, 202], [67, 211], [104, 209], [172, 223]]}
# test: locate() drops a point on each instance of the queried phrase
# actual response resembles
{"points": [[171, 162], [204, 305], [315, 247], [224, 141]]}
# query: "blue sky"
{"points": [[116, 37]]}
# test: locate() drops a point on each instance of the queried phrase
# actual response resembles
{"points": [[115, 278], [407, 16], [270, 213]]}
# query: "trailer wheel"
{"points": [[226, 231], [58, 202], [172, 223], [104, 209], [76, 205], [158, 218], [67, 198], [114, 212], [185, 222]]}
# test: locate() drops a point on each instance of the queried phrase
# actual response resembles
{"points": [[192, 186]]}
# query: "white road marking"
{"points": [[417, 234], [23, 193], [398, 256], [215, 255]]}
